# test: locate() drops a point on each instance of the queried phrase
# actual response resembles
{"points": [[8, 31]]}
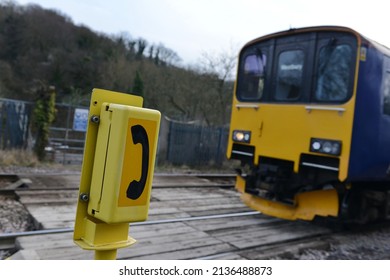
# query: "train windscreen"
{"points": [[316, 67]]}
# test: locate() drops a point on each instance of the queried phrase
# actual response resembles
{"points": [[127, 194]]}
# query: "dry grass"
{"points": [[18, 158]]}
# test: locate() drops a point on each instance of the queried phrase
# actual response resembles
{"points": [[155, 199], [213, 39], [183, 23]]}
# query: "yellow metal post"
{"points": [[117, 172], [105, 254]]}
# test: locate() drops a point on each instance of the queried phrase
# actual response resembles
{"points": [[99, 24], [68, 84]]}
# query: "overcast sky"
{"points": [[190, 27]]}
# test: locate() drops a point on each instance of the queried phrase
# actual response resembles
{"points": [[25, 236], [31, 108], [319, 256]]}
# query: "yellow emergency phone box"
{"points": [[124, 163]]}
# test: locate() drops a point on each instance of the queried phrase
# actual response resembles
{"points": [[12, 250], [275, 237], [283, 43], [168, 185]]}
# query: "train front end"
{"points": [[291, 122]]}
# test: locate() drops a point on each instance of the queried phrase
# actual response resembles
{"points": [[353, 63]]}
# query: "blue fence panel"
{"points": [[14, 123]]}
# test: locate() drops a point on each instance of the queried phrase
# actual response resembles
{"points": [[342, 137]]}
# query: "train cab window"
{"points": [[333, 73], [386, 93], [252, 78], [289, 75]]}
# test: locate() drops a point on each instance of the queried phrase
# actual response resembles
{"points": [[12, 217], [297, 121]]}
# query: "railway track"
{"points": [[7, 240], [190, 217]]}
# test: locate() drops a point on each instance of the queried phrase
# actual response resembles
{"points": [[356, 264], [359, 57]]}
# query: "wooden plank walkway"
{"points": [[221, 238]]}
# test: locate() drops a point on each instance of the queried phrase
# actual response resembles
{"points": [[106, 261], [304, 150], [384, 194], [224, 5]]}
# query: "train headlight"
{"points": [[325, 146], [241, 136]]}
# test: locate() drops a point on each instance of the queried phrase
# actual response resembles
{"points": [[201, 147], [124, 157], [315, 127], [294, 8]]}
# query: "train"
{"points": [[310, 125]]}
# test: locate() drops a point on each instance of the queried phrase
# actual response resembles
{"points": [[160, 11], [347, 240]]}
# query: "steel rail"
{"points": [[166, 221]]}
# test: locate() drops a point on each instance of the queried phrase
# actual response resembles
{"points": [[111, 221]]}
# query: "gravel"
{"points": [[13, 218], [373, 244]]}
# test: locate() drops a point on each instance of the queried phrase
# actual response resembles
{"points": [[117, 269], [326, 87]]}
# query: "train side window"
{"points": [[289, 75], [386, 93], [334, 73], [252, 80]]}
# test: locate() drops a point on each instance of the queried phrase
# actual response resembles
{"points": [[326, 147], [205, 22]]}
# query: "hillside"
{"points": [[44, 47]]}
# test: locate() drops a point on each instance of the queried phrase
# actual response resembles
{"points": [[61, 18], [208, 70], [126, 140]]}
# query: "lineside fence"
{"points": [[196, 145], [14, 124], [179, 143]]}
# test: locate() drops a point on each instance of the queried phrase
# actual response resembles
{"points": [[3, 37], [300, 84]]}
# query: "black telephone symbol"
{"points": [[139, 136]]}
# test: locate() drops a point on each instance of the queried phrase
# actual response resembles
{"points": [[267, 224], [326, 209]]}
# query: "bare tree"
{"points": [[219, 68], [141, 46]]}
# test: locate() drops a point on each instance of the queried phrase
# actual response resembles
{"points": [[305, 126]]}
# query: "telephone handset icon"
{"points": [[139, 136]]}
